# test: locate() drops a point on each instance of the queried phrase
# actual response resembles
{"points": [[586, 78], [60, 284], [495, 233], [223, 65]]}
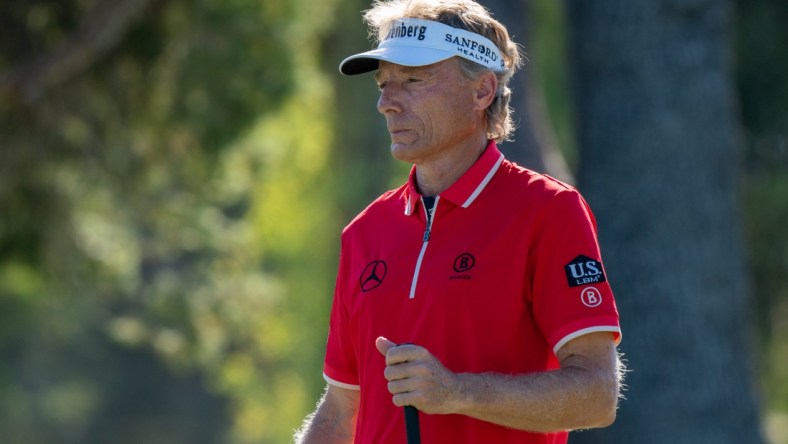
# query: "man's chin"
{"points": [[404, 152]]}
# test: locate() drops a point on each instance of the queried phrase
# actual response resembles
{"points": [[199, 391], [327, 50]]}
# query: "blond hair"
{"points": [[470, 16]]}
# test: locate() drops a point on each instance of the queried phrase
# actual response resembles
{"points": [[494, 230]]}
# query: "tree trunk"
{"points": [[534, 144], [660, 147]]}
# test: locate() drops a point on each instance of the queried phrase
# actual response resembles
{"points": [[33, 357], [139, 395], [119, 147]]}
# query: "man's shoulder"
{"points": [[388, 204], [529, 184]]}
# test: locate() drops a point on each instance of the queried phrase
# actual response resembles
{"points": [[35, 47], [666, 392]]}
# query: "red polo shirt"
{"points": [[507, 271]]}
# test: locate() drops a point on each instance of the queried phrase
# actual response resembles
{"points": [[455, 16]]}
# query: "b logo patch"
{"points": [[591, 297], [464, 262], [583, 270]]}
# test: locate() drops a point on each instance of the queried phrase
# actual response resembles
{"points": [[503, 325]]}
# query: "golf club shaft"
{"points": [[412, 420], [412, 425]]}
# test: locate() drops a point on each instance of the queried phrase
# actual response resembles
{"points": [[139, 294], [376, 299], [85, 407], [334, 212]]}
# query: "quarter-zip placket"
{"points": [[425, 240]]}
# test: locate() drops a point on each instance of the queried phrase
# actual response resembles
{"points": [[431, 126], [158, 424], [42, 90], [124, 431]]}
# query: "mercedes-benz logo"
{"points": [[373, 275]]}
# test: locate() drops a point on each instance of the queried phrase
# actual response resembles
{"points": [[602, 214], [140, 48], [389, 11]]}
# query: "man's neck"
{"points": [[435, 176]]}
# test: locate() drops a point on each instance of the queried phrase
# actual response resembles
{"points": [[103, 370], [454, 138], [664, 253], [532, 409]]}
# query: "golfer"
{"points": [[475, 292]]}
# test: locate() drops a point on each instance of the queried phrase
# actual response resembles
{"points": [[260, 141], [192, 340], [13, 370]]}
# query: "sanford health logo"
{"points": [[400, 31], [472, 48]]}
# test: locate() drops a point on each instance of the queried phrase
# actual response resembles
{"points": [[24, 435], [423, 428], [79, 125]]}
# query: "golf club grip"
{"points": [[412, 425]]}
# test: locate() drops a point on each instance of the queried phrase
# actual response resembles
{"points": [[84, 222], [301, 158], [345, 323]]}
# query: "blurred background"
{"points": [[174, 177]]}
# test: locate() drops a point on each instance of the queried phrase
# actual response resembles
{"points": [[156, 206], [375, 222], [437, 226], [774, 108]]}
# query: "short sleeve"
{"points": [[570, 292], [339, 367]]}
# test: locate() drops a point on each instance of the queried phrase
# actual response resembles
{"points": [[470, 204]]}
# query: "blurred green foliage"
{"points": [[165, 213], [762, 73], [170, 211], [550, 67]]}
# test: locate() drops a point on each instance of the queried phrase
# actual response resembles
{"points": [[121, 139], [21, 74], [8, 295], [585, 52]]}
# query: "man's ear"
{"points": [[486, 86]]}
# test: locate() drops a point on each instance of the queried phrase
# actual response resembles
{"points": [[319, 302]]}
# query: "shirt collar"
{"points": [[468, 187]]}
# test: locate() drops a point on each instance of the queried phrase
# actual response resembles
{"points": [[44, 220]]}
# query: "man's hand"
{"points": [[582, 393], [418, 378]]}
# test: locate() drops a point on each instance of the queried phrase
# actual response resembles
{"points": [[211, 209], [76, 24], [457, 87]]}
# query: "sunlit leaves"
{"points": [[145, 216]]}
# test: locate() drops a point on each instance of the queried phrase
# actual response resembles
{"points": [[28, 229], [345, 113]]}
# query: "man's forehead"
{"points": [[388, 67]]}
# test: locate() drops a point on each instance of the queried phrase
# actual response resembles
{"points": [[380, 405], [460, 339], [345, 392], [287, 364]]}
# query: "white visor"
{"points": [[417, 42]]}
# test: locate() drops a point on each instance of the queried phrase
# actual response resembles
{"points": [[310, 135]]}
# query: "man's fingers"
{"points": [[399, 354], [400, 370], [384, 345], [400, 386], [403, 399], [406, 369]]}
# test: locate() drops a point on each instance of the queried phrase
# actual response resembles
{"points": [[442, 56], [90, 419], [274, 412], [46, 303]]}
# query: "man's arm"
{"points": [[334, 420], [582, 393]]}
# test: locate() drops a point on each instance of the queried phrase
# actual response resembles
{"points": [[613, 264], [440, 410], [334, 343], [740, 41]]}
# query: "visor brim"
{"points": [[401, 55]]}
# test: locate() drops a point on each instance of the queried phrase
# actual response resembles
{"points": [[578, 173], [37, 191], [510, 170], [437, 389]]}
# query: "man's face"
{"points": [[429, 109]]}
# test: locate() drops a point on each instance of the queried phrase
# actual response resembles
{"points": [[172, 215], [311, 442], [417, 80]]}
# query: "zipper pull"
{"points": [[430, 213]]}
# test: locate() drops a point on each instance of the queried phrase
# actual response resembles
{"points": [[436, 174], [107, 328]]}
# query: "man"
{"points": [[475, 292]]}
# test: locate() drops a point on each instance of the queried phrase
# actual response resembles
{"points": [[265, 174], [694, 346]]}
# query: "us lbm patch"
{"points": [[583, 270]]}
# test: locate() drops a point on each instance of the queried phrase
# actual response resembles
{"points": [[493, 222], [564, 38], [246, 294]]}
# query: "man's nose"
{"points": [[390, 99]]}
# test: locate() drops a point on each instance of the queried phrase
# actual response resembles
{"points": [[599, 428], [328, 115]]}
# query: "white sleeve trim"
{"points": [[585, 331], [341, 384]]}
